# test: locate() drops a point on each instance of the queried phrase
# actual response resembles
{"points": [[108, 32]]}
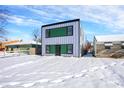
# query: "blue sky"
{"points": [[95, 20]]}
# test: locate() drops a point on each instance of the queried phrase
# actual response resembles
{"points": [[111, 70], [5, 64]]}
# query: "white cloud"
{"points": [[110, 16], [22, 20], [19, 35]]}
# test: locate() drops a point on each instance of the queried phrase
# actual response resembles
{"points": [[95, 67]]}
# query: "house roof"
{"points": [[110, 38], [24, 43], [61, 22]]}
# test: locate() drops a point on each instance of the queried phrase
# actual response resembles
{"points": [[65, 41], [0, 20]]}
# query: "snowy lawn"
{"points": [[51, 71]]}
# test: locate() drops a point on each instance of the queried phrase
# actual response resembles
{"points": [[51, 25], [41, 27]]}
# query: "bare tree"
{"points": [[36, 35]]}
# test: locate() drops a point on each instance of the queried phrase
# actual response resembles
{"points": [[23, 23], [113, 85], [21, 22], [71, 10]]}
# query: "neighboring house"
{"points": [[108, 46], [63, 39], [29, 47], [3, 43]]}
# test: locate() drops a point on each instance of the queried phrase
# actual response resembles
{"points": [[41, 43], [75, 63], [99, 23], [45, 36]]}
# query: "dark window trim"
{"points": [[60, 44], [56, 28], [72, 49], [72, 30], [47, 33], [46, 49]]}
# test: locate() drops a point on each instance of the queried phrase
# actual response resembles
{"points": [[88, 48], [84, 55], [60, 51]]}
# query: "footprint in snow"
{"points": [[103, 67], [43, 80], [10, 84], [94, 69], [84, 71], [113, 64], [79, 75], [57, 81], [122, 63], [28, 85], [62, 79], [38, 82], [37, 85], [1, 86], [13, 83], [68, 77]]}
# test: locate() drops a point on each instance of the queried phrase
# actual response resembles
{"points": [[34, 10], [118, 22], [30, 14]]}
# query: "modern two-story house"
{"points": [[62, 39]]}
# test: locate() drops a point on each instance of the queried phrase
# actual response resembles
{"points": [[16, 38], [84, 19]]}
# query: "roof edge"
{"points": [[61, 22]]}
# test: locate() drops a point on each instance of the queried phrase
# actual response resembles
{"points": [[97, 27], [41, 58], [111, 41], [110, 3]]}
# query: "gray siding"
{"points": [[75, 39]]}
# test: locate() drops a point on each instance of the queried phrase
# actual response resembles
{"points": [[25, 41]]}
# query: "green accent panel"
{"points": [[63, 49], [52, 49], [58, 32]]}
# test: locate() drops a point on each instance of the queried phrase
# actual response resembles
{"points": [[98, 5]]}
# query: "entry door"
{"points": [[58, 50]]}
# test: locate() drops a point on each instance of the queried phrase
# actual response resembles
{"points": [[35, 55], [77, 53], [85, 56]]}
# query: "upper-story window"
{"points": [[59, 32], [47, 33], [70, 30]]}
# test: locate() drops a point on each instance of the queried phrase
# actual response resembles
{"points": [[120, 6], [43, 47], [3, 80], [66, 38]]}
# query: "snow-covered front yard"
{"points": [[51, 71]]}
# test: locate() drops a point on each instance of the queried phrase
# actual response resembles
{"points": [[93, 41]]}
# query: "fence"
{"points": [[14, 53]]}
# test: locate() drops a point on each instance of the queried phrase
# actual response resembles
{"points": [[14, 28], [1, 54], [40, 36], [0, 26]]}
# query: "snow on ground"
{"points": [[52, 71]]}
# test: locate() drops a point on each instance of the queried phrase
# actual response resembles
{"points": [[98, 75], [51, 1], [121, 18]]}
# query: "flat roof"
{"points": [[24, 43], [61, 22], [109, 38]]}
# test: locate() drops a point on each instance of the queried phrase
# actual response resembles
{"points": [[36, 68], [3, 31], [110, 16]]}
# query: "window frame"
{"points": [[47, 50], [68, 49], [47, 32], [68, 31]]}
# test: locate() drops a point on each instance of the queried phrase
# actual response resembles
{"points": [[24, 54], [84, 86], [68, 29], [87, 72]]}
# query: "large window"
{"points": [[58, 32], [64, 49], [50, 49]]}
